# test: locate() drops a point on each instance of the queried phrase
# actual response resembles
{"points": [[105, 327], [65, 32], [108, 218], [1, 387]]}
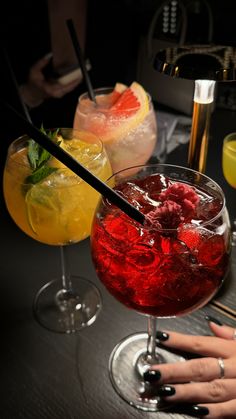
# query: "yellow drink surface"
{"points": [[59, 209], [229, 162]]}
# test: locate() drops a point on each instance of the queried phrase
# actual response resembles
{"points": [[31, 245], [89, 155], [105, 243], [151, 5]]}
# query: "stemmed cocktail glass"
{"points": [[124, 118], [170, 266], [229, 169], [54, 206]]}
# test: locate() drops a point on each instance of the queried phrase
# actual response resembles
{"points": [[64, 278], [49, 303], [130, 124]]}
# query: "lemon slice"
{"points": [[41, 204], [53, 162], [84, 150]]}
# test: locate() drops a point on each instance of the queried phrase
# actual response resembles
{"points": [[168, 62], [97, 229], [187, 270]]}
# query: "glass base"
{"points": [[234, 233], [67, 311], [125, 375]]}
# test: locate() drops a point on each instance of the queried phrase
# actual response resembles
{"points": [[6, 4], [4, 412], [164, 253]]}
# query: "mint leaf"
{"points": [[38, 158], [40, 174], [33, 152], [43, 156], [53, 134]]}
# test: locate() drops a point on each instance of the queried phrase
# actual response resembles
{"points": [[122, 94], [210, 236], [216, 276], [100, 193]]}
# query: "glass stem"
{"points": [[65, 275], [151, 357]]}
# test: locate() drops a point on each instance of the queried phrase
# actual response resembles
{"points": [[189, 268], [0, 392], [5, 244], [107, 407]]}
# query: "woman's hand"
{"points": [[206, 384], [38, 88]]}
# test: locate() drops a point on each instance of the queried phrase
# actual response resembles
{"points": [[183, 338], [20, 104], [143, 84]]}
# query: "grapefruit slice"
{"points": [[131, 101], [128, 109], [118, 90]]}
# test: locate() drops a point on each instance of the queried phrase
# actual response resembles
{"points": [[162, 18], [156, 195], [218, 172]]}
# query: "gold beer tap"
{"points": [[202, 109], [210, 63]]}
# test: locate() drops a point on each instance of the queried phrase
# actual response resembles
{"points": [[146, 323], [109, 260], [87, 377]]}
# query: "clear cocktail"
{"points": [[124, 119]]}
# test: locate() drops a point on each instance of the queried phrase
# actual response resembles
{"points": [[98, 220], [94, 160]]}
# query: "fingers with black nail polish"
{"points": [[213, 320], [162, 336], [197, 411], [152, 376], [165, 391], [152, 391]]}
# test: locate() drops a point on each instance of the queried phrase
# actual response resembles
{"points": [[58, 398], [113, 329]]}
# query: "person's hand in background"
{"points": [[38, 88]]}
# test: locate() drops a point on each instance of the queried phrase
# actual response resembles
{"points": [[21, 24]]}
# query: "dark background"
{"points": [[52, 376], [114, 28]]}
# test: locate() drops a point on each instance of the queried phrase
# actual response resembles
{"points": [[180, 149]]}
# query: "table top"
{"points": [[47, 375]]}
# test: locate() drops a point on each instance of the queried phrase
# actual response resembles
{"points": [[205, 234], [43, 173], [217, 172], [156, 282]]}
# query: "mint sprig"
{"points": [[38, 158]]}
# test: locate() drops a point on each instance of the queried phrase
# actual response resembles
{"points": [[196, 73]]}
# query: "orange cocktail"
{"points": [[58, 209], [53, 205]]}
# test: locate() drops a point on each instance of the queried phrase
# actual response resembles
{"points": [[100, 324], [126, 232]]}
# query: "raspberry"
{"points": [[182, 194], [167, 216]]}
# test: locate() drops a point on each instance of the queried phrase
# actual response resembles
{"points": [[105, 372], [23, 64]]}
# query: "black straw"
{"points": [[79, 55], [76, 167]]}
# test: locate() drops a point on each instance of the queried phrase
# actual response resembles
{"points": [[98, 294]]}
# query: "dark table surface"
{"points": [[45, 375]]}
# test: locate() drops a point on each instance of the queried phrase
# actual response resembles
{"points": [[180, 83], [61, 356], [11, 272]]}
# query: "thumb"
{"points": [[219, 330], [40, 64]]}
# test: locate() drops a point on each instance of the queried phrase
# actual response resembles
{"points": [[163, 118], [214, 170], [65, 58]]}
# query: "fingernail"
{"points": [[152, 376], [213, 320], [162, 336], [165, 391], [147, 392], [198, 410], [47, 56]]}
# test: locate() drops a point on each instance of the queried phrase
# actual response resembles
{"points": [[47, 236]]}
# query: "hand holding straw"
{"points": [[79, 55], [76, 167]]}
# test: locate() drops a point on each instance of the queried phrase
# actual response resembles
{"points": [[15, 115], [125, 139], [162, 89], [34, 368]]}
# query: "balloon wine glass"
{"points": [[171, 265], [54, 206]]}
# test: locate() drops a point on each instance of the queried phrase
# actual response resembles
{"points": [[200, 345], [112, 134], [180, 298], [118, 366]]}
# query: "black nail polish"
{"points": [[148, 391], [152, 376], [162, 336], [165, 391], [198, 410], [213, 320]]}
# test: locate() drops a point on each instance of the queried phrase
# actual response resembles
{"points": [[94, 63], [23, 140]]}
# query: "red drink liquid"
{"points": [[176, 262]]}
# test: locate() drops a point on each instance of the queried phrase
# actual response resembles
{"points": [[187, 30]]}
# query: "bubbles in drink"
{"points": [[56, 209], [124, 119]]}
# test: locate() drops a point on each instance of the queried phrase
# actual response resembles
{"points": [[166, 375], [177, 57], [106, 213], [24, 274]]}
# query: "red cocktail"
{"points": [[177, 260]]}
